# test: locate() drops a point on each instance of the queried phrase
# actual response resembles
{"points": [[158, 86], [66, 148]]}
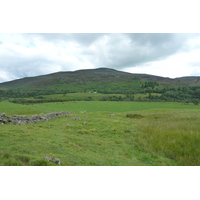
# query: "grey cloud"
{"points": [[20, 67], [141, 48], [100, 50], [23, 67], [81, 38], [151, 38], [194, 64], [166, 42], [87, 38]]}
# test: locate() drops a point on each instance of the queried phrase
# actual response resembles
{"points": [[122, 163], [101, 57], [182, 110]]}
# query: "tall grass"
{"points": [[174, 135]]}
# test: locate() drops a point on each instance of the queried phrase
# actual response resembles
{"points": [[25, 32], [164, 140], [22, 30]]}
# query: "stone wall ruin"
{"points": [[23, 119]]}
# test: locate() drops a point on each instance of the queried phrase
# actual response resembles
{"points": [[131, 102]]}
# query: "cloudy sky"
{"points": [[164, 54]]}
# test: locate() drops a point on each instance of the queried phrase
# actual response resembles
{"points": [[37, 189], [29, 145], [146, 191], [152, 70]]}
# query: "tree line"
{"points": [[172, 94]]}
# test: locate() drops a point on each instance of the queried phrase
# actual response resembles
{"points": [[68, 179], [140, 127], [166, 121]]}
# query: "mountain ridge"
{"points": [[83, 76]]}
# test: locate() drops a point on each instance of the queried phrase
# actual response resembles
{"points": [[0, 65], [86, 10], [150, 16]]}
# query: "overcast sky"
{"points": [[163, 54]]}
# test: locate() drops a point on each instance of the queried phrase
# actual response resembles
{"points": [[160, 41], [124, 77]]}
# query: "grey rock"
{"points": [[75, 118], [82, 111], [23, 119], [53, 159]]}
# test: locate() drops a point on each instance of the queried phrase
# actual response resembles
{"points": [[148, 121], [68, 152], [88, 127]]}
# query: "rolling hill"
{"points": [[105, 81], [95, 75], [78, 77]]}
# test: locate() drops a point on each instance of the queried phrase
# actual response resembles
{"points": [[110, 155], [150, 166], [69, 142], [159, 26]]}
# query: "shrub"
{"points": [[24, 159], [195, 102], [39, 163], [135, 116], [6, 155], [12, 162]]}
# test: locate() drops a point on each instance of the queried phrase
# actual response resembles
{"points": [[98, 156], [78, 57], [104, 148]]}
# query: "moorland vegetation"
{"points": [[113, 118], [111, 85]]}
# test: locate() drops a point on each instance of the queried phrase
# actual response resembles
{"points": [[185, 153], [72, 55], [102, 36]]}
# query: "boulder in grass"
{"points": [[52, 158], [68, 125], [75, 118]]}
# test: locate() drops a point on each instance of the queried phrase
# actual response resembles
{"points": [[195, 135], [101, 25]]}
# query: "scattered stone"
{"points": [[112, 114], [68, 125], [82, 111], [52, 158], [75, 118], [84, 123]]}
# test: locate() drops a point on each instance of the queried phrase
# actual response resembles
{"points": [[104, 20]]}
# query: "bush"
{"points": [[24, 159], [6, 155], [39, 163], [135, 116], [195, 102], [12, 162]]}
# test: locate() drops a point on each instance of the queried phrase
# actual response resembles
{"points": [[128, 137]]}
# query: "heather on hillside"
{"points": [[104, 81]]}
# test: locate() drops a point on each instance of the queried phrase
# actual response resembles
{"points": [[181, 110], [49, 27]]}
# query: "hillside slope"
{"points": [[105, 81], [92, 75]]}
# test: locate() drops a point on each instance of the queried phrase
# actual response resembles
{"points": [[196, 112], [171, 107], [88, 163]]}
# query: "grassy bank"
{"points": [[152, 134]]}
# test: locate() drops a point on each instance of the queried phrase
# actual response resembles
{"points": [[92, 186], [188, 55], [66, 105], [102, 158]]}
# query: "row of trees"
{"points": [[148, 98], [175, 94]]}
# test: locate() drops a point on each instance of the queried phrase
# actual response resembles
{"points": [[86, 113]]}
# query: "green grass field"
{"points": [[157, 134]]}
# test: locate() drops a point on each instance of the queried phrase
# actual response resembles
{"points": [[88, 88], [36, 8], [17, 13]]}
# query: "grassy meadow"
{"points": [[107, 134]]}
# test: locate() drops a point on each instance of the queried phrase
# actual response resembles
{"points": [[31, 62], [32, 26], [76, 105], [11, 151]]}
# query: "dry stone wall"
{"points": [[23, 119]]}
